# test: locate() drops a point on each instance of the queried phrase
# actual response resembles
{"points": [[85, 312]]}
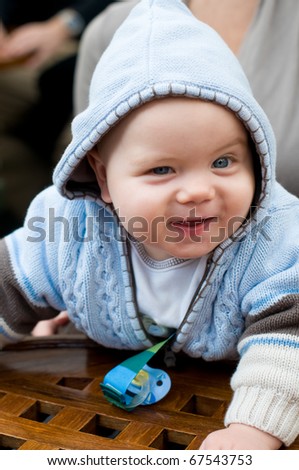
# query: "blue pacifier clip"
{"points": [[133, 382]]}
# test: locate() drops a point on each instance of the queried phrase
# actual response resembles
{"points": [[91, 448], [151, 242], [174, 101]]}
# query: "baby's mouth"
{"points": [[192, 222], [193, 225]]}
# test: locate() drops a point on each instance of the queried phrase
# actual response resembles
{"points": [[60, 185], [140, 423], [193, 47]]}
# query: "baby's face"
{"points": [[179, 173]]}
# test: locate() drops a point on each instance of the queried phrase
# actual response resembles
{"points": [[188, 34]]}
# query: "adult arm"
{"points": [[40, 38]]}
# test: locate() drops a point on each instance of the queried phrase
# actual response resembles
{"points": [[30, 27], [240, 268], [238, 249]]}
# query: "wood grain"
{"points": [[50, 399]]}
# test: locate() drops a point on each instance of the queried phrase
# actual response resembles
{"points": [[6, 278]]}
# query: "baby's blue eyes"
{"points": [[222, 162], [161, 170]]}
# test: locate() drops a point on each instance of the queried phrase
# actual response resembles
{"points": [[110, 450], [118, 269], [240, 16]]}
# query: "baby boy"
{"points": [[165, 217]]}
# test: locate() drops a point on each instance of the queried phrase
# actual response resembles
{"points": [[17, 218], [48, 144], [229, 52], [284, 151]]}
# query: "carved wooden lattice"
{"points": [[50, 399]]}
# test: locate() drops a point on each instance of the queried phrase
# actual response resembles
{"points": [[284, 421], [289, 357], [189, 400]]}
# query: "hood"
{"points": [[161, 50]]}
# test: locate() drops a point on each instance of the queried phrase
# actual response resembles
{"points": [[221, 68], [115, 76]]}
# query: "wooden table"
{"points": [[50, 399]]}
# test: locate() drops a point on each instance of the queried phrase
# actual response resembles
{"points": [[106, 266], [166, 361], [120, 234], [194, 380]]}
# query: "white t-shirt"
{"points": [[164, 289]]}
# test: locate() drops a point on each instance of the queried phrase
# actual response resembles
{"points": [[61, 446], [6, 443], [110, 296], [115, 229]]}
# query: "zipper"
{"points": [[196, 295]]}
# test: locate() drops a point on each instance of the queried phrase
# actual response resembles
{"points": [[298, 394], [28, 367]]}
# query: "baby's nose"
{"points": [[195, 190]]}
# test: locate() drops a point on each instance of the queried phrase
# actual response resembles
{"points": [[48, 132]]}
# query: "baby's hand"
{"points": [[240, 437], [50, 327]]}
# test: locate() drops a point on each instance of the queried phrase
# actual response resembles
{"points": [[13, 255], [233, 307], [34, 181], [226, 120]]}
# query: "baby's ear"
{"points": [[99, 168]]}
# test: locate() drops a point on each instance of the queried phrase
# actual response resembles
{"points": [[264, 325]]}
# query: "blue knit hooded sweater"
{"points": [[73, 254]]}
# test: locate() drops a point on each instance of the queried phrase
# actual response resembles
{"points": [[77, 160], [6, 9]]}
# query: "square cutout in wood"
{"points": [[41, 412], [79, 383], [104, 426], [10, 443], [202, 406], [172, 440]]}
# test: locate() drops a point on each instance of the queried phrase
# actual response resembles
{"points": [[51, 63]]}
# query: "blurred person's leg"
{"points": [[27, 169], [42, 125], [22, 177], [18, 92]]}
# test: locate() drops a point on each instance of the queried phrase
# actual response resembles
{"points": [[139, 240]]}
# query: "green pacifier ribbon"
{"points": [[134, 383]]}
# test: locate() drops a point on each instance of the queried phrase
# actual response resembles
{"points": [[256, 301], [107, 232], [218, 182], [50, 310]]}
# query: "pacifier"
{"points": [[133, 382]]}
